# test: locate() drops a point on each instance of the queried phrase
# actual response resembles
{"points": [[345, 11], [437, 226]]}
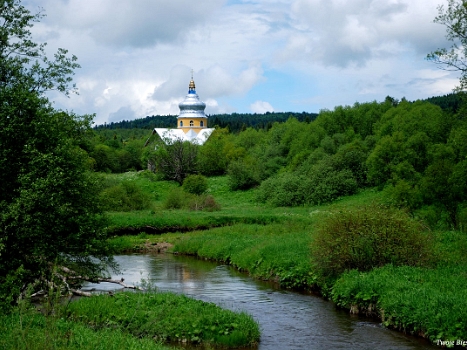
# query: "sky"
{"points": [[247, 56]]}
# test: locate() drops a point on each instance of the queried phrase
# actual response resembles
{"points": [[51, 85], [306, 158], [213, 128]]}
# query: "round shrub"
{"points": [[242, 175], [175, 199], [369, 237], [283, 190], [329, 185], [196, 184], [125, 196], [203, 202]]}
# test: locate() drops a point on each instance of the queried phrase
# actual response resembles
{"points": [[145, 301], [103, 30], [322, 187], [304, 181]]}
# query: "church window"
{"points": [[201, 123], [192, 123], [181, 123]]}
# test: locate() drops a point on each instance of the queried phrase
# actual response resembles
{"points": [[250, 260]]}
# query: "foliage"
{"points": [[125, 196], [175, 160], [216, 153], [179, 318], [178, 199], [49, 203], [195, 184], [395, 294], [454, 18], [283, 190], [175, 199], [243, 174], [203, 202], [369, 237], [49, 211], [24, 62]]}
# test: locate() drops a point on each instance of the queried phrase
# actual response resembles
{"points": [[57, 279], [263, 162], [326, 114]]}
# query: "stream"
{"points": [[288, 320]]}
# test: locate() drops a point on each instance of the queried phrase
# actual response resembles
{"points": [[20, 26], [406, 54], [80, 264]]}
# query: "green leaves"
{"points": [[454, 18], [48, 199], [368, 237]]}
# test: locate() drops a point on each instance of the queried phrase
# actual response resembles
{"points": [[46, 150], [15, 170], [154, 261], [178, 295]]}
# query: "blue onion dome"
{"points": [[192, 106]]}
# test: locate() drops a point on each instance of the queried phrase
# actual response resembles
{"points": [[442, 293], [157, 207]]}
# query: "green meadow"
{"points": [[417, 287]]}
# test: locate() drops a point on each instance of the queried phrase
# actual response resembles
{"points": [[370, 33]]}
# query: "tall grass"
{"points": [[33, 331], [278, 252], [427, 302], [167, 317]]}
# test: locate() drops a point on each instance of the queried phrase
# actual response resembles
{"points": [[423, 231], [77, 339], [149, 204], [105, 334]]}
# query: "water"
{"points": [[288, 320]]}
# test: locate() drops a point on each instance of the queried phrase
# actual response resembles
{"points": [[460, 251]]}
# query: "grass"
{"points": [[275, 244], [34, 331], [427, 302], [277, 252], [125, 320], [167, 317]]}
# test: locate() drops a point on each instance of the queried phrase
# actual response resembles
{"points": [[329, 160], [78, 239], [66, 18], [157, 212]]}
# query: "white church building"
{"points": [[191, 123]]}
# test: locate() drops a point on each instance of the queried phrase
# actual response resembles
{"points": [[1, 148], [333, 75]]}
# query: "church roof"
{"points": [[171, 135]]}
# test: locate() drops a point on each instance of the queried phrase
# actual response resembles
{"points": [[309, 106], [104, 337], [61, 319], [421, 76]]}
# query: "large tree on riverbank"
{"points": [[48, 200]]}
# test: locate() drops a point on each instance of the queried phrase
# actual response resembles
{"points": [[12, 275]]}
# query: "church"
{"points": [[191, 123]]}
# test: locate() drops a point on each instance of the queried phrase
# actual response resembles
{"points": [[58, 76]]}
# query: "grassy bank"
{"points": [[34, 331], [167, 317], [149, 320], [425, 299], [428, 302]]}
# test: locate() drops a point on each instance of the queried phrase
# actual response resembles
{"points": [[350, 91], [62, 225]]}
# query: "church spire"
{"points": [[191, 87]]}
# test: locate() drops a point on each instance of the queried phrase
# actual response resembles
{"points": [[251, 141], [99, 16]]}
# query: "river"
{"points": [[288, 320]]}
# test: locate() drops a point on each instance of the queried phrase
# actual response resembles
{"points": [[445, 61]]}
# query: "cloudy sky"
{"points": [[246, 55]]}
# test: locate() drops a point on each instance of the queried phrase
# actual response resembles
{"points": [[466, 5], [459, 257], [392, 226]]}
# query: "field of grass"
{"points": [[166, 317], [275, 244]]}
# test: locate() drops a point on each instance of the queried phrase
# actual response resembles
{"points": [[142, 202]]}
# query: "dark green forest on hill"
{"points": [[235, 122]]}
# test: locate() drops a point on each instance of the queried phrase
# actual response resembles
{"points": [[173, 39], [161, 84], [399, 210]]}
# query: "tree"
{"points": [[176, 159], [454, 17], [24, 62], [49, 212]]}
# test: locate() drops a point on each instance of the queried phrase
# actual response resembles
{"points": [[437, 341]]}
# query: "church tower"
{"points": [[192, 123], [192, 118]]}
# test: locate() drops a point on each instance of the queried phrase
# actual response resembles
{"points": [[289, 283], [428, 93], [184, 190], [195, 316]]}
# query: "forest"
{"points": [[414, 151], [235, 122]]}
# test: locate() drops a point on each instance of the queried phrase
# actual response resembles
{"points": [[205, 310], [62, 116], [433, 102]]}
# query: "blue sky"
{"points": [[247, 55]]}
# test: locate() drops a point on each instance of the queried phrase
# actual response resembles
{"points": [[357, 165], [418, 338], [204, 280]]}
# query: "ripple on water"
{"points": [[287, 320]]}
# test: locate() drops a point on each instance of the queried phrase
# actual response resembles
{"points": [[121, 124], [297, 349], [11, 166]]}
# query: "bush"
{"points": [[328, 178], [326, 185], [286, 189], [242, 174], [175, 199], [125, 196], [204, 202], [195, 184], [369, 237]]}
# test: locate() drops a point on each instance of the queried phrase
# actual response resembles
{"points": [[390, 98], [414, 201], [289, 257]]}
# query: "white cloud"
{"points": [[261, 107], [140, 23], [301, 55], [351, 33]]}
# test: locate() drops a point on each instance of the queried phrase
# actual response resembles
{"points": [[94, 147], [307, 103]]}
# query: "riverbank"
{"points": [[428, 301], [126, 320]]}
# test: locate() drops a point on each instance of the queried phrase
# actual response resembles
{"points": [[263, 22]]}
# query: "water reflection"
{"points": [[288, 320]]}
